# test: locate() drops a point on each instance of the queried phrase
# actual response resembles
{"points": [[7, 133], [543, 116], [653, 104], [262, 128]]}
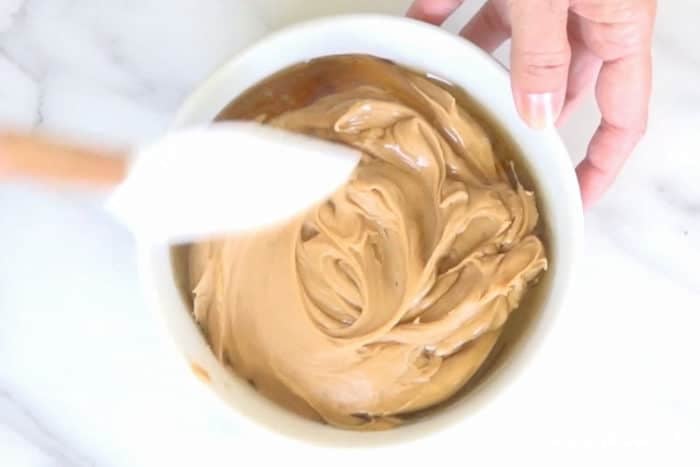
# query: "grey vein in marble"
{"points": [[17, 419]]}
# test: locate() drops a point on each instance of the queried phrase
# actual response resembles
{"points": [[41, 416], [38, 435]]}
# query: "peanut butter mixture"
{"points": [[386, 298]]}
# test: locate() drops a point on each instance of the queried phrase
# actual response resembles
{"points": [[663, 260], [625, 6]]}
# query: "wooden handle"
{"points": [[48, 161]]}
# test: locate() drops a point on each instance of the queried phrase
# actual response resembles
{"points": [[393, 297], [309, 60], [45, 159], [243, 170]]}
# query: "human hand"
{"points": [[559, 48]]}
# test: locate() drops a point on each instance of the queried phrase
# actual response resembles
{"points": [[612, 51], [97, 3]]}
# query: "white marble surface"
{"points": [[86, 379]]}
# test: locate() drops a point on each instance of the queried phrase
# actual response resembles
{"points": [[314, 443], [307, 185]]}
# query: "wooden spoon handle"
{"points": [[48, 161]]}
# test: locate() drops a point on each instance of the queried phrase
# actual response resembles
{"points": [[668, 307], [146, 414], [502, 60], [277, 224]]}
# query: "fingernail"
{"points": [[537, 109]]}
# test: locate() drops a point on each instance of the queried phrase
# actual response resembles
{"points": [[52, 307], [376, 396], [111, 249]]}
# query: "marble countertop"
{"points": [[86, 378]]}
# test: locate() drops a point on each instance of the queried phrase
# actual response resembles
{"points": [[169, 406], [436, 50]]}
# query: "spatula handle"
{"points": [[52, 162]]}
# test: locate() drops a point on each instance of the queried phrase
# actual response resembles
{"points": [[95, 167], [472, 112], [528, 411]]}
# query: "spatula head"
{"points": [[226, 177]]}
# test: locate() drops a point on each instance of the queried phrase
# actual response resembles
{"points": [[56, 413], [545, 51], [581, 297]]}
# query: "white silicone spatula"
{"points": [[226, 177], [196, 183]]}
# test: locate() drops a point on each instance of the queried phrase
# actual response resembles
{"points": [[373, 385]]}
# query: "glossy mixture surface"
{"points": [[388, 297]]}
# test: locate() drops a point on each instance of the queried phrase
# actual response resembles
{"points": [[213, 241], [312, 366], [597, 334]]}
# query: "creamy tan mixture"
{"points": [[387, 298]]}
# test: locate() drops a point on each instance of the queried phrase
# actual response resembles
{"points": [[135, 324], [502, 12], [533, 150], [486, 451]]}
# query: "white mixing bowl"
{"points": [[418, 46]]}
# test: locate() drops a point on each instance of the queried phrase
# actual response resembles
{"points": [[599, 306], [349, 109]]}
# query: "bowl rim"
{"points": [[151, 257]]}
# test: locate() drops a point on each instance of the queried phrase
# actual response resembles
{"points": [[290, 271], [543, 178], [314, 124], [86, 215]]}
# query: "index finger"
{"points": [[540, 57]]}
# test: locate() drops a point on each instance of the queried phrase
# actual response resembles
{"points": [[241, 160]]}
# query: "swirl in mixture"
{"points": [[387, 298]]}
